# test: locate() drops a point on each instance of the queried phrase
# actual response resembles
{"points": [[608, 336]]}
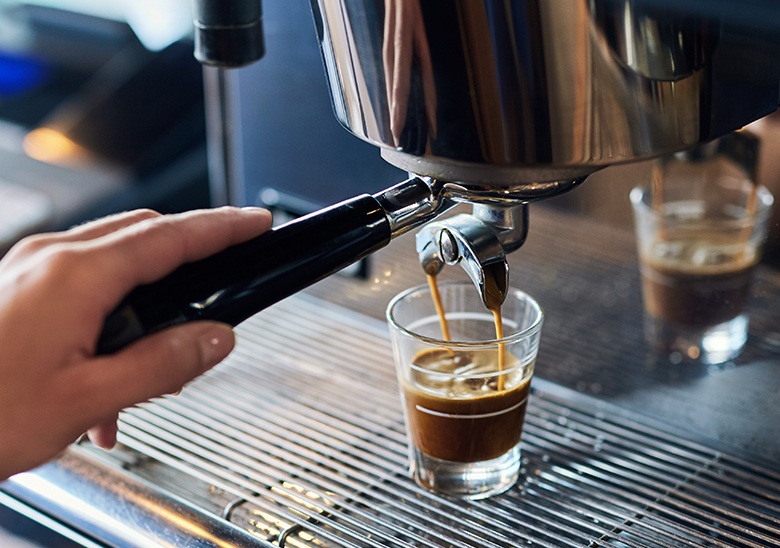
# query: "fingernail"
{"points": [[104, 435], [215, 344], [255, 209], [110, 440], [259, 210]]}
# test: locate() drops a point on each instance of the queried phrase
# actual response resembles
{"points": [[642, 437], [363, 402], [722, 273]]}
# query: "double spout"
{"points": [[479, 242]]}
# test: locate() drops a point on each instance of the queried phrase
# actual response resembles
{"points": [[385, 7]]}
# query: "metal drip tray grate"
{"points": [[298, 438]]}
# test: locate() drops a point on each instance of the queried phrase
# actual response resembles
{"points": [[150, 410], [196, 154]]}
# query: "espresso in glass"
{"points": [[697, 281], [467, 405], [700, 231], [464, 399], [455, 408]]}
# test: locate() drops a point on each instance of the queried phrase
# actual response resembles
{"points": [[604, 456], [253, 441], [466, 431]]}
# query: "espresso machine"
{"points": [[297, 438], [497, 105]]}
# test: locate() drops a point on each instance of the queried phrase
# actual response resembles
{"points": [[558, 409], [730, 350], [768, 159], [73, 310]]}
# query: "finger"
{"points": [[87, 231], [104, 434], [155, 365], [148, 250], [106, 225]]}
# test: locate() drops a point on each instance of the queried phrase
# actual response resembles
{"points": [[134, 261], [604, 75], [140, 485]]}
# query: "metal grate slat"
{"points": [[313, 478]]}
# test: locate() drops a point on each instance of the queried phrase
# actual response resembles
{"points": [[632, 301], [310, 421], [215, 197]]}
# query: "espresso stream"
{"points": [[445, 331], [471, 418], [493, 300]]}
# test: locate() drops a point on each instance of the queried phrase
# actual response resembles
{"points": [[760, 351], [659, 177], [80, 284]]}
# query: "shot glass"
{"points": [[464, 409], [700, 232]]}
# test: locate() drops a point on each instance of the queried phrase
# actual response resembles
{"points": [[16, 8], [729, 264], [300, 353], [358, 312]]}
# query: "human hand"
{"points": [[55, 293]]}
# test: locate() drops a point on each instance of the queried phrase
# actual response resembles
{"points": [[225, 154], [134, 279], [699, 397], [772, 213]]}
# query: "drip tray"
{"points": [[298, 439]]}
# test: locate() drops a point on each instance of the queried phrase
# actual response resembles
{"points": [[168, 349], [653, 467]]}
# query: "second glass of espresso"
{"points": [[700, 227], [464, 398]]}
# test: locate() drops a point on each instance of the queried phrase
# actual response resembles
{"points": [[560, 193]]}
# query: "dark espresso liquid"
{"points": [[465, 419], [476, 416], [697, 282]]}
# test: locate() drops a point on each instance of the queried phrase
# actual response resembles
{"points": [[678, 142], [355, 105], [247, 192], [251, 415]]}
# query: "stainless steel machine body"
{"points": [[513, 94]]}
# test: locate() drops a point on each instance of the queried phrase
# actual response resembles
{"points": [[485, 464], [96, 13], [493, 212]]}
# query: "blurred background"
{"points": [[101, 110]]}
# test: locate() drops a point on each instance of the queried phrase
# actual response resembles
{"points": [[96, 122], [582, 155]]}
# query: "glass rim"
{"points": [[532, 329], [762, 213]]}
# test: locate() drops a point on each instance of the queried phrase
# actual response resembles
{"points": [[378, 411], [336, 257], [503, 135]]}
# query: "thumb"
{"points": [[157, 364]]}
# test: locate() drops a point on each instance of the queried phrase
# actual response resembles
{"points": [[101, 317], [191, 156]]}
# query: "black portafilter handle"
{"points": [[234, 284]]}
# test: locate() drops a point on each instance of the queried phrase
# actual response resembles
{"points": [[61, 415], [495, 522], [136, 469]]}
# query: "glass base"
{"points": [[706, 345], [470, 480]]}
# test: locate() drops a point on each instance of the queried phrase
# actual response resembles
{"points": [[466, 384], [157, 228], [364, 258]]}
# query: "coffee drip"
{"points": [[434, 287]]}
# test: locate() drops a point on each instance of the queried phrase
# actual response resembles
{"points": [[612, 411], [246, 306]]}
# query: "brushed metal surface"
{"points": [[108, 505]]}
